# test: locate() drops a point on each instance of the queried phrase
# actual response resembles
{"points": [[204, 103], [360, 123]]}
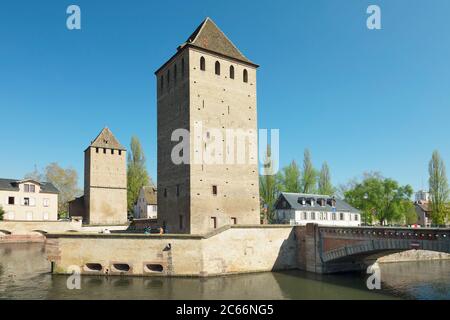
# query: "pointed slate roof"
{"points": [[106, 139], [208, 36]]}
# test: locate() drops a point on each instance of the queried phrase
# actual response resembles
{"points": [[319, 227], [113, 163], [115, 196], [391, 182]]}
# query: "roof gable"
{"points": [[209, 37], [106, 139]]}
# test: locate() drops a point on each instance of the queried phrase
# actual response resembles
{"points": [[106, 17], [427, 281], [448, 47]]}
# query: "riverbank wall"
{"points": [[227, 250]]}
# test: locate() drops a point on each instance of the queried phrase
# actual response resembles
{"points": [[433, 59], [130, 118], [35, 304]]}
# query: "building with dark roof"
{"points": [[28, 200], [300, 209]]}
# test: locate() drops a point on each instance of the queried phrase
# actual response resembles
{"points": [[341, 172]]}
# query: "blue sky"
{"points": [[361, 100]]}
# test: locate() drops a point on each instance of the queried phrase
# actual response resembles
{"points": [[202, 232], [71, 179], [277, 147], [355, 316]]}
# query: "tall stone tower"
{"points": [[105, 181], [207, 86]]}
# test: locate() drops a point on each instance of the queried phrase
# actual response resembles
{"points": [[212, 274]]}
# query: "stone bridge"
{"points": [[34, 231], [326, 249]]}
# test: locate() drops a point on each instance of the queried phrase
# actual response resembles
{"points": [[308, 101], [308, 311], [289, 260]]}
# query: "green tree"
{"points": [[137, 175], [309, 174], [324, 183], [269, 188], [290, 178], [410, 213], [66, 181], [379, 198], [439, 189], [2, 213]]}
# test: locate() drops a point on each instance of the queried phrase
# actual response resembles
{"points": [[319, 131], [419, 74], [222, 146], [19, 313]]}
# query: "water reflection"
{"points": [[24, 274]]}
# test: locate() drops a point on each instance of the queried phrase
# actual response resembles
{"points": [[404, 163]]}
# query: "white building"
{"points": [[146, 204], [28, 200], [300, 209], [422, 196]]}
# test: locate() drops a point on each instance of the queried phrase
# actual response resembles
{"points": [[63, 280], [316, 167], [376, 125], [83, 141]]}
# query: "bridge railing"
{"points": [[386, 232]]}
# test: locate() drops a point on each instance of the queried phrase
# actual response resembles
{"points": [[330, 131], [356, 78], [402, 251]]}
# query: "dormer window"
{"points": [[30, 188], [312, 202]]}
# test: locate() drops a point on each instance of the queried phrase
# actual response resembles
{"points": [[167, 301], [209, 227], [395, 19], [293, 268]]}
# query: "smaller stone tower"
{"points": [[105, 181]]}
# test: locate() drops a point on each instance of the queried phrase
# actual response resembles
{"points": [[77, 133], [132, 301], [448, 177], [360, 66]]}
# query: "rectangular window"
{"points": [[46, 202], [120, 152], [178, 190], [181, 222], [333, 216], [165, 192], [313, 216], [305, 215], [112, 151], [32, 202], [96, 150], [214, 222], [356, 217], [233, 220], [104, 150], [32, 188], [27, 187], [26, 201], [214, 190], [11, 201], [341, 216]]}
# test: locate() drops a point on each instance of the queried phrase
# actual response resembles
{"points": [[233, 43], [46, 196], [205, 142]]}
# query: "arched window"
{"points": [[202, 64], [175, 73], [245, 75], [182, 67], [231, 72], [218, 68]]}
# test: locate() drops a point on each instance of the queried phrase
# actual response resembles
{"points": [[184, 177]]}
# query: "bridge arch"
{"points": [[382, 247], [329, 249]]}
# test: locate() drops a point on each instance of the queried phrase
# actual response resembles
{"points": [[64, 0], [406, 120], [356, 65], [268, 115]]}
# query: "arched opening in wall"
{"points": [[217, 68], [231, 72], [202, 64], [93, 267], [150, 267], [245, 76], [120, 267]]}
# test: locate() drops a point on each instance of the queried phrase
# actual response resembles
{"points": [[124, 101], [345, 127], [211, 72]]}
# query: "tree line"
{"points": [[292, 179], [380, 200]]}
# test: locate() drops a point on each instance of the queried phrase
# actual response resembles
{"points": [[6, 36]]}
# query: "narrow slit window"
{"points": [[217, 68], [202, 64], [245, 76], [231, 72]]}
